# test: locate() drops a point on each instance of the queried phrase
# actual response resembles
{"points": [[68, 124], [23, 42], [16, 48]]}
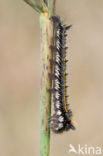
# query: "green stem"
{"points": [[45, 101], [46, 9]]}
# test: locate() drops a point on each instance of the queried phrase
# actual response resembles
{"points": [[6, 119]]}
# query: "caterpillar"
{"points": [[60, 121]]}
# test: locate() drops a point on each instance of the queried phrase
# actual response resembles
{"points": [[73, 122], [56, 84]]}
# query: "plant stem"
{"points": [[45, 101], [46, 9]]}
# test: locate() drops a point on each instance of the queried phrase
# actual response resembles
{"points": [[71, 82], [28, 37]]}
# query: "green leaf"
{"points": [[38, 5]]}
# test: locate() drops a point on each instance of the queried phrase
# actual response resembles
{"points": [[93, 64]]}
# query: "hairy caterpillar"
{"points": [[61, 119]]}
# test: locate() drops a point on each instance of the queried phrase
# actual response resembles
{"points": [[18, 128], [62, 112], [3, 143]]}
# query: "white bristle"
{"points": [[59, 112]]}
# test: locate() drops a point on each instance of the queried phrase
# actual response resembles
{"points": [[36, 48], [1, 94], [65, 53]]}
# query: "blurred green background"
{"points": [[20, 76]]}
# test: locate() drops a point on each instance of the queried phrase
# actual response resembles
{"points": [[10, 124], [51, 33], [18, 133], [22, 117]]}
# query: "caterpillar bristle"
{"points": [[66, 74], [66, 61], [66, 48], [56, 19], [68, 27], [68, 105], [66, 86], [67, 96], [65, 35]]}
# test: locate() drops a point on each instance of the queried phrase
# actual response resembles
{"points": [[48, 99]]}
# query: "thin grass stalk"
{"points": [[46, 9]]}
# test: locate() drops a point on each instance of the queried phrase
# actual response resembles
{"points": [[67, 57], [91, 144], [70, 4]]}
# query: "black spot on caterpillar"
{"points": [[61, 119]]}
